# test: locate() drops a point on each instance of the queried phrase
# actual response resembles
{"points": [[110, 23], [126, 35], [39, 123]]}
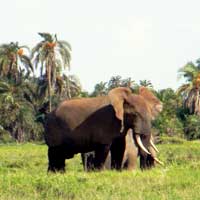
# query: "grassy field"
{"points": [[23, 176]]}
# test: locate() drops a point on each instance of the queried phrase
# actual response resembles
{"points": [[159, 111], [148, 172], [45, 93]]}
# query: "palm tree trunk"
{"points": [[68, 88], [197, 109], [49, 85]]}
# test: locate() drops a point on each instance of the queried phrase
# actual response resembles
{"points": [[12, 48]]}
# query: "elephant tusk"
{"points": [[139, 141], [158, 161], [153, 145]]}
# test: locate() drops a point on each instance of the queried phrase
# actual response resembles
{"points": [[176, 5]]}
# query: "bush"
{"points": [[192, 127], [167, 125], [5, 136]]}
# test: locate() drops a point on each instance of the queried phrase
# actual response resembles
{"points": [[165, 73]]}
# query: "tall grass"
{"points": [[23, 175]]}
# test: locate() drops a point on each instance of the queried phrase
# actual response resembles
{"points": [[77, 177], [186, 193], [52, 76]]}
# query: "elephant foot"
{"points": [[101, 154], [56, 160], [56, 169], [117, 153], [88, 160]]}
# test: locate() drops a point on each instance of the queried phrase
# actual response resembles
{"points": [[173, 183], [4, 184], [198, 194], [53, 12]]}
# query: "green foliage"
{"points": [[22, 95], [168, 121], [117, 81], [190, 90], [102, 88], [169, 126], [146, 83], [13, 62], [192, 127], [18, 111], [23, 175], [5, 137], [51, 55]]}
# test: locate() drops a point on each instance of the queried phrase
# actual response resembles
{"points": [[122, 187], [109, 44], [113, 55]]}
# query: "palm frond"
{"points": [[46, 36], [184, 88], [66, 57], [36, 48], [4, 87], [27, 63], [64, 44], [189, 71]]}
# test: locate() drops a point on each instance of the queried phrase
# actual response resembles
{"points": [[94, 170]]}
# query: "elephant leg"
{"points": [[56, 159], [84, 160], [131, 153], [131, 160], [117, 153], [107, 164], [88, 160], [101, 154]]}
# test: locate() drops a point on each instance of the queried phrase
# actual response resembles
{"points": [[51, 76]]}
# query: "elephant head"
{"points": [[148, 159], [145, 106]]}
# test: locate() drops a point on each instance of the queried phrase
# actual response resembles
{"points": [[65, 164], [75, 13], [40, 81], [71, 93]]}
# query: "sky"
{"points": [[139, 39]]}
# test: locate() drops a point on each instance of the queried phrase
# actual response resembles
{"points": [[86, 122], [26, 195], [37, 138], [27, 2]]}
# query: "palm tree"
{"points": [[73, 85], [68, 86], [52, 55], [115, 81], [191, 89], [13, 61], [100, 89], [146, 83], [128, 82]]}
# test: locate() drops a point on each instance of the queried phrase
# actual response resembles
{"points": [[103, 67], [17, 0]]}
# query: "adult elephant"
{"points": [[82, 125]]}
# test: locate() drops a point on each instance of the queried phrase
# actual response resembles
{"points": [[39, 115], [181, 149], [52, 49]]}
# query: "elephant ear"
{"points": [[153, 102], [117, 96]]}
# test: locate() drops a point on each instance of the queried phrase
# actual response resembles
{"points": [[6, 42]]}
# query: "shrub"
{"points": [[167, 125], [5, 136], [192, 127]]}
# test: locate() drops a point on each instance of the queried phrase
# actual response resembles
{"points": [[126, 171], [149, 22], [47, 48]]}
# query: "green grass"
{"points": [[23, 176]]}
